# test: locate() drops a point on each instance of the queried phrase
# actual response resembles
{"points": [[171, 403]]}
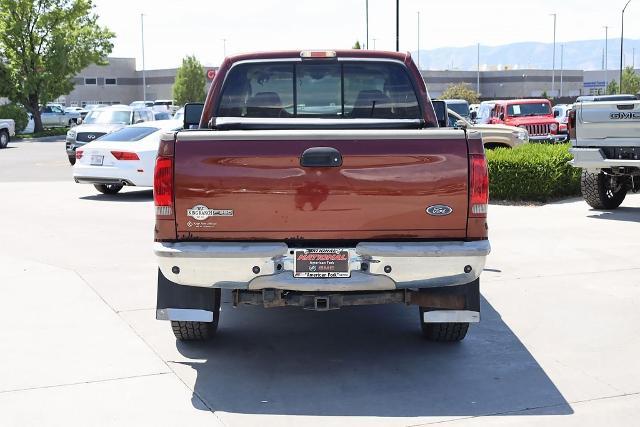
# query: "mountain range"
{"points": [[578, 55]]}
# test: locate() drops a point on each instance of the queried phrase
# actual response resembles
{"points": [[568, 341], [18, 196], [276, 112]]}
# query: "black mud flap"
{"points": [[186, 303], [459, 303]]}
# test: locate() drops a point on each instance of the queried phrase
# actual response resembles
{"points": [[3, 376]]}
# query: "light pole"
{"points": [[418, 40], [606, 57], [366, 14], [561, 67], [622, 43], [144, 77], [374, 43], [553, 73], [478, 76]]}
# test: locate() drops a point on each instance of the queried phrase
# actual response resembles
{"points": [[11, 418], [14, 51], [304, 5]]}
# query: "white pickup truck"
{"points": [[607, 148], [7, 130]]}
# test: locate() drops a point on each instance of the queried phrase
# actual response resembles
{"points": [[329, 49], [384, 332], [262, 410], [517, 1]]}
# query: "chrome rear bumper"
{"points": [[594, 158], [373, 265]]}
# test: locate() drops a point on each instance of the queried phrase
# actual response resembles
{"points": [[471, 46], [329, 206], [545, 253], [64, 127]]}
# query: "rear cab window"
{"points": [[349, 90]]}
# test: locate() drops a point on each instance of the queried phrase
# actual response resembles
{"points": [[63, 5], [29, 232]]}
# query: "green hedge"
{"points": [[532, 172], [15, 112]]}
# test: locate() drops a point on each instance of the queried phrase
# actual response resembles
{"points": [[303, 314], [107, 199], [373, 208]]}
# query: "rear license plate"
{"points": [[96, 160], [321, 263]]}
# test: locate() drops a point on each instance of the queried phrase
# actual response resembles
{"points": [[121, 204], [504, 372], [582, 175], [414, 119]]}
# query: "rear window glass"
{"points": [[460, 108], [319, 90], [133, 133]]}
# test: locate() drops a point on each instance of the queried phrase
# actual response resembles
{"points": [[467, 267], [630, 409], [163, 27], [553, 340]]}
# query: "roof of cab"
{"points": [[344, 53]]}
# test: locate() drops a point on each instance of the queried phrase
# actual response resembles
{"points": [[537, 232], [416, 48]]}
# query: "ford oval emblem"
{"points": [[439, 210]]}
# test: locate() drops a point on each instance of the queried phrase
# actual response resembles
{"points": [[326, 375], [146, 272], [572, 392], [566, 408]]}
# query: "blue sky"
{"points": [[178, 28]]}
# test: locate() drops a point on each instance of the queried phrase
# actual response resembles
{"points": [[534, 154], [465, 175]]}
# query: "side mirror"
{"points": [[192, 114], [440, 108], [501, 116], [474, 115], [79, 121], [556, 113]]}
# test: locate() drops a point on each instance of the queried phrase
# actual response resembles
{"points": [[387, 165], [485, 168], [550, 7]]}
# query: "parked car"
{"points": [[102, 121], [31, 125], [179, 115], [460, 106], [123, 157], [165, 105], [161, 115], [607, 148], [7, 130], [55, 116], [534, 115], [90, 107], [561, 113], [493, 136], [350, 195], [82, 111], [140, 104], [483, 114]]}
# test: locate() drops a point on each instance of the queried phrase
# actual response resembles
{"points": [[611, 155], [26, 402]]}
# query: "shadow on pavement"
{"points": [[364, 361], [129, 196], [620, 214]]}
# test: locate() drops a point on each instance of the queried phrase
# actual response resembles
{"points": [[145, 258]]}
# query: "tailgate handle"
{"points": [[321, 157], [625, 106]]}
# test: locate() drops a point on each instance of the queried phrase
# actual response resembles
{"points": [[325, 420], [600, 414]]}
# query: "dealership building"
{"points": [[119, 82]]}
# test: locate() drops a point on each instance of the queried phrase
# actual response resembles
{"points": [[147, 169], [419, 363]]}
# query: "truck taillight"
{"points": [[478, 186], [125, 155], [163, 186]]}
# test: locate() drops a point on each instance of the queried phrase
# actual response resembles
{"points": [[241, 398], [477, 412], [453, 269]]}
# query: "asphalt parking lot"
{"points": [[559, 342]]}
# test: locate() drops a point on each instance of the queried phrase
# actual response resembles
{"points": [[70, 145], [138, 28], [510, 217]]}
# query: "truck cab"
{"points": [[534, 115]]}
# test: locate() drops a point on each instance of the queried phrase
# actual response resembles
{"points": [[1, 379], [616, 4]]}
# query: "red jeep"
{"points": [[534, 115]]}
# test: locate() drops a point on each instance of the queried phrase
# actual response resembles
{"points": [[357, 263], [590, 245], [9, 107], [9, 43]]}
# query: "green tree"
{"points": [[612, 88], [630, 81], [17, 113], [43, 45], [461, 91], [357, 45], [190, 82]]}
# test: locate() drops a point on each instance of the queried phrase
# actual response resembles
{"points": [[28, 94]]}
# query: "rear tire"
{"points": [[4, 138], [442, 332], [108, 188], [599, 192], [198, 331]]}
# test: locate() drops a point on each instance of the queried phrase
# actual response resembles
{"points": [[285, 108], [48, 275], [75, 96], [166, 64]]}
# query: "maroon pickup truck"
{"points": [[320, 179]]}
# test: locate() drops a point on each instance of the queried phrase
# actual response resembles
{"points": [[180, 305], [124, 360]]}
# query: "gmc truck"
{"points": [[606, 145], [319, 179]]}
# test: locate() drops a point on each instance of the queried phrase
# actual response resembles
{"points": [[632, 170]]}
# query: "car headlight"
{"points": [[71, 134], [522, 135], [553, 127], [522, 126]]}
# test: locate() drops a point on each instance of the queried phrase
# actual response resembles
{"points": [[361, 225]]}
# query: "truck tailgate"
{"points": [[236, 185], [612, 123]]}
